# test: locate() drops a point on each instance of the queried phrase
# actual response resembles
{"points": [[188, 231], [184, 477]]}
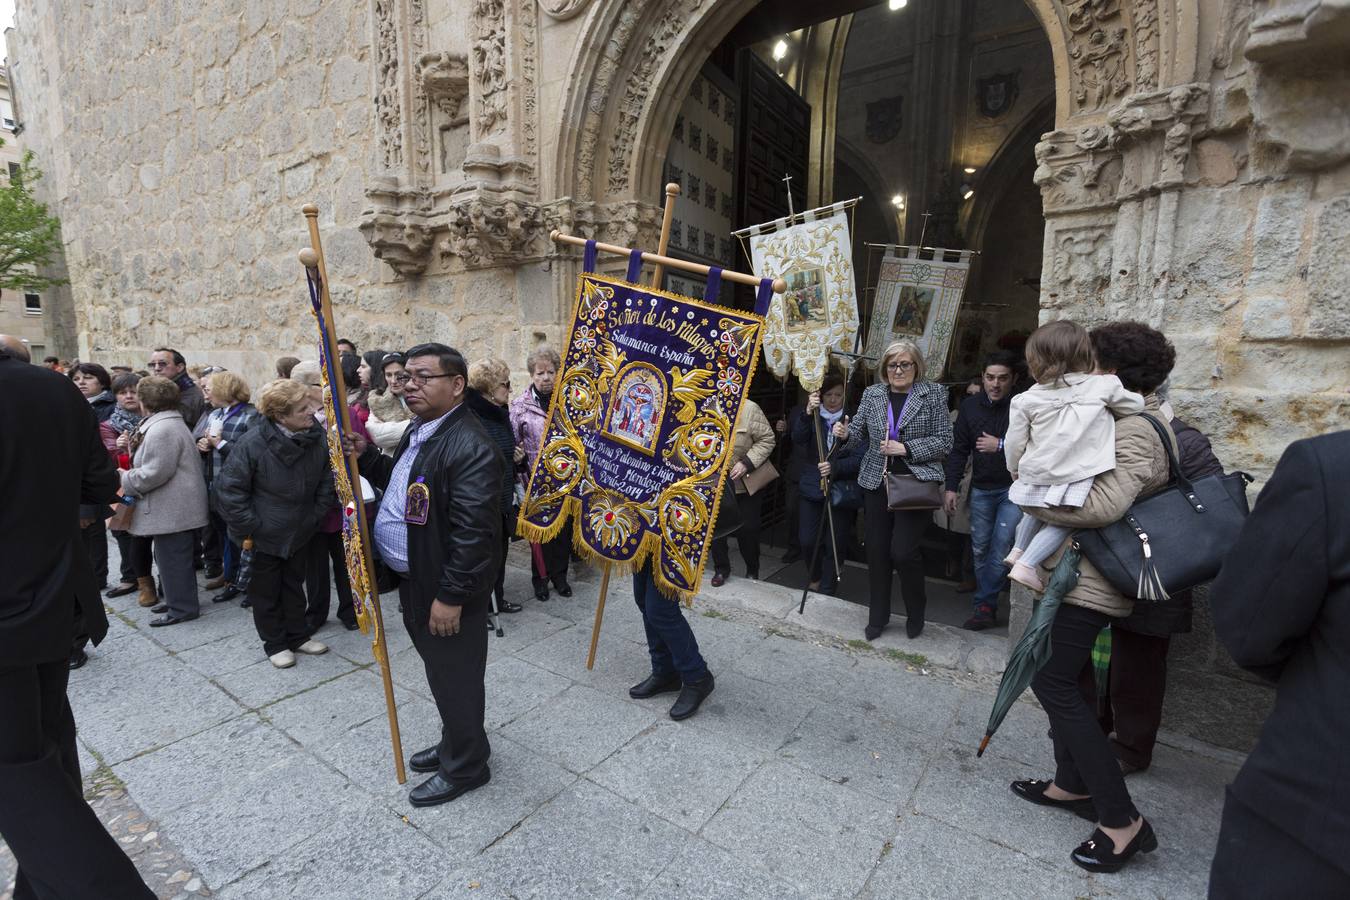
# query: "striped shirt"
{"points": [[391, 531]]}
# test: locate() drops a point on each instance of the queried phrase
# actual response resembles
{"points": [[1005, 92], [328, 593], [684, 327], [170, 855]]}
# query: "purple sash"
{"points": [[893, 431]]}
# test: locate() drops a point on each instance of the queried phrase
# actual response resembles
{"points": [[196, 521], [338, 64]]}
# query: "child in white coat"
{"points": [[1061, 435]]}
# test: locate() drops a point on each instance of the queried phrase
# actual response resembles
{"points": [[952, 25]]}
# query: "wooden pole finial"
{"points": [[310, 210], [308, 258]]}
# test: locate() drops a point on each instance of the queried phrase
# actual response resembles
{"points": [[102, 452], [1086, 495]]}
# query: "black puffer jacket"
{"points": [[275, 488], [979, 415], [497, 423]]}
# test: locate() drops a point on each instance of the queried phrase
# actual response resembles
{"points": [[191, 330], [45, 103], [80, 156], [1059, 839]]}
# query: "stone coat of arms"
{"points": [[996, 94]]}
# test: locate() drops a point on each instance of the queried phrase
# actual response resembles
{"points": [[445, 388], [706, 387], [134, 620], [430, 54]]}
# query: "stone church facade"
{"points": [[1197, 177]]}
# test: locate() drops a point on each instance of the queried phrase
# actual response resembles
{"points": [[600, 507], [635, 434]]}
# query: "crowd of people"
{"points": [[199, 477]]}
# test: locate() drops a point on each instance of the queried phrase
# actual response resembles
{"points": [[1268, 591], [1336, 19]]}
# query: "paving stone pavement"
{"points": [[818, 768]]}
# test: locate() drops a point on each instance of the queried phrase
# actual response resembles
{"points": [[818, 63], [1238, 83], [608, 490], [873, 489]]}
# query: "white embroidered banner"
{"points": [[918, 299], [819, 311]]}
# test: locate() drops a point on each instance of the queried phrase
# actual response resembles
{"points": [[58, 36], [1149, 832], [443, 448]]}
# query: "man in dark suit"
{"points": [[1282, 608], [439, 528], [51, 461]]}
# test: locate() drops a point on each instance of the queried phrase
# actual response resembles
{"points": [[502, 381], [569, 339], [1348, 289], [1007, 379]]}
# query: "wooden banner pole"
{"points": [[312, 259]]}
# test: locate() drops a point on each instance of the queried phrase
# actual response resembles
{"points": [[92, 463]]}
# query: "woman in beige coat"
{"points": [[752, 443], [1088, 780], [169, 491]]}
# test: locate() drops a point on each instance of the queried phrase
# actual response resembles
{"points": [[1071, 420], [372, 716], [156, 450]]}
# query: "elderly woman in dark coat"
{"points": [[275, 488], [488, 395], [904, 423]]}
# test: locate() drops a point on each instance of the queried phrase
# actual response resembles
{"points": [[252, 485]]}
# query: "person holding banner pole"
{"points": [[840, 466], [904, 424]]}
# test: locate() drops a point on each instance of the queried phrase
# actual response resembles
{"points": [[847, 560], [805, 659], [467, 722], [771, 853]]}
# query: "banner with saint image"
{"points": [[917, 299], [640, 429], [819, 311]]}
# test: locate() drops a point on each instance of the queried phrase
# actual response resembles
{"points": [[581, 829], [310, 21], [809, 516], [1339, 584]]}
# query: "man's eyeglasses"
{"points": [[157, 365], [902, 366], [419, 380]]}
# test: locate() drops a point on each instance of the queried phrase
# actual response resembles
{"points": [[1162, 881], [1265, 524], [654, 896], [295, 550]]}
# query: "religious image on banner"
{"points": [[640, 429], [918, 299], [819, 310]]}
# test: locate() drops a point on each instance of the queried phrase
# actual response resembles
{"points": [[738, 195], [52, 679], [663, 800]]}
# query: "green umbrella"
{"points": [[1033, 650]]}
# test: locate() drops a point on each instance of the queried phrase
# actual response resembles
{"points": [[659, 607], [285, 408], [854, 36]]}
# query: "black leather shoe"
{"points": [[506, 606], [691, 697], [871, 632], [1034, 792], [213, 571], [247, 603], [77, 659], [428, 760], [564, 590], [351, 626], [439, 789], [1098, 853], [160, 608], [120, 590], [541, 592], [719, 579], [226, 595], [913, 627], [170, 619], [655, 684]]}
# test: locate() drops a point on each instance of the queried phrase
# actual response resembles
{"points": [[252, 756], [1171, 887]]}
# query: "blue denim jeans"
{"points": [[993, 521], [670, 640]]}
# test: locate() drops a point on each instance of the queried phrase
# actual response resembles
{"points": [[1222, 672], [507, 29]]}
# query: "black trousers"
{"points": [[556, 554], [325, 552], [455, 666], [95, 537], [792, 499], [61, 848], [277, 594], [747, 537], [142, 552], [508, 527], [1257, 860], [127, 574], [1134, 702], [813, 517], [1084, 762], [893, 540]]}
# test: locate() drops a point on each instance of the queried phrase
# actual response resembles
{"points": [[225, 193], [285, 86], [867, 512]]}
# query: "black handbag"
{"points": [[905, 492], [1173, 539]]}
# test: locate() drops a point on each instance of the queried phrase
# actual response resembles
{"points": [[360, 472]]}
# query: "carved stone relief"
{"points": [[489, 66], [388, 96], [1098, 46], [563, 9], [1146, 45], [445, 79], [1081, 259]]}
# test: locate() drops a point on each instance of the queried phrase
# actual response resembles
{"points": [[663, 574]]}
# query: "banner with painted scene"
{"points": [[918, 298], [819, 310], [640, 430]]}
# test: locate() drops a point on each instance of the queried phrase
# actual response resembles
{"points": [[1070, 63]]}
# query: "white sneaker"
{"points": [[1013, 556], [312, 648], [283, 660]]}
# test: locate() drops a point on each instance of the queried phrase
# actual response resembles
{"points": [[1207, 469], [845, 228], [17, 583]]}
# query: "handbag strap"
{"points": [[1174, 473]]}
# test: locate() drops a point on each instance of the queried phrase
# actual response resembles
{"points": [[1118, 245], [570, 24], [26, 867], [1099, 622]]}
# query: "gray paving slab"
{"points": [[928, 860], [126, 647], [215, 623], [228, 654], [125, 711], [1021, 737], [580, 727], [821, 837], [612, 849], [746, 709], [374, 853], [522, 629], [197, 768], [680, 773], [365, 753], [263, 683], [514, 687], [799, 666], [891, 692], [619, 661], [323, 714], [702, 871]]}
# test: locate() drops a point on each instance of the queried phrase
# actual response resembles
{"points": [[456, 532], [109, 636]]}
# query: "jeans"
{"points": [[670, 640], [1084, 762], [993, 520]]}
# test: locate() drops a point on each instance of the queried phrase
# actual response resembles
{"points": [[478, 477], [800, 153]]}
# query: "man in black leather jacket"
{"points": [[439, 528]]}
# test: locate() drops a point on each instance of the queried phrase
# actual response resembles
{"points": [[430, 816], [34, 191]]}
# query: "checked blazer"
{"points": [[925, 430]]}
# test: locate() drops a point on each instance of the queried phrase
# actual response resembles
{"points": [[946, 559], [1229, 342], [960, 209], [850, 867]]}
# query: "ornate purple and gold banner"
{"points": [[639, 432]]}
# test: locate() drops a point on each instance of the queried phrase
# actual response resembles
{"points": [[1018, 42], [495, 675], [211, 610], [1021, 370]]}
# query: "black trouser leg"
{"points": [[893, 544], [1084, 763], [557, 554], [337, 554], [95, 536], [499, 586], [127, 574], [318, 587], [792, 506], [747, 536], [276, 591], [878, 541], [142, 556], [1138, 682], [1256, 860], [43, 816], [455, 667]]}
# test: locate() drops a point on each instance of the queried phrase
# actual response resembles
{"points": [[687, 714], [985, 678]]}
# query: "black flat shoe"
{"points": [[439, 789], [226, 595], [913, 628], [691, 697], [248, 604], [871, 632], [169, 619], [160, 608], [120, 590], [506, 606], [428, 760], [718, 579], [77, 659], [1034, 792], [351, 626], [564, 589], [1098, 853], [655, 684]]}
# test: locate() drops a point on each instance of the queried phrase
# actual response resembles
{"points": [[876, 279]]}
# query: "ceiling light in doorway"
{"points": [[898, 201], [967, 192], [780, 50], [898, 4], [970, 170]]}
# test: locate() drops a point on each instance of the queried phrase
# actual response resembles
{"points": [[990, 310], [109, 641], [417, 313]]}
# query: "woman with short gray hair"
{"points": [[529, 413], [903, 420]]}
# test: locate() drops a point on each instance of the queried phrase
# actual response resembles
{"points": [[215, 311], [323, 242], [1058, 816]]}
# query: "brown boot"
{"points": [[216, 584], [148, 596]]}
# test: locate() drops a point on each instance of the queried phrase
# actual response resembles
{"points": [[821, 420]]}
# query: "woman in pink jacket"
{"points": [[529, 413]]}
